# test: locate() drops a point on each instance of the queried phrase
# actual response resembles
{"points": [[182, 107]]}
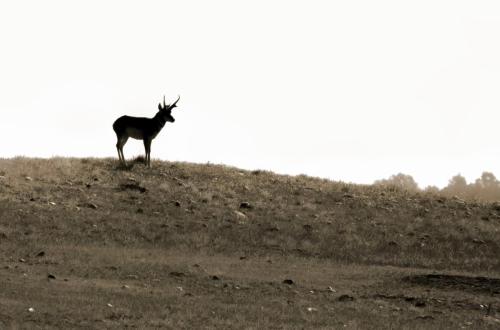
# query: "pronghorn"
{"points": [[141, 128]]}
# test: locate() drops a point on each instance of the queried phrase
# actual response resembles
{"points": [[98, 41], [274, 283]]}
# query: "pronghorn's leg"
{"points": [[118, 149], [147, 147], [121, 142]]}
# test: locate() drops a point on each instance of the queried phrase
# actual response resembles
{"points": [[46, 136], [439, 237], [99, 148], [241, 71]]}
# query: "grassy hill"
{"points": [[88, 244]]}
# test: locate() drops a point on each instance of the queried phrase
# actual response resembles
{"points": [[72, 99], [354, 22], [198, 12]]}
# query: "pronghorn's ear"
{"points": [[159, 106]]}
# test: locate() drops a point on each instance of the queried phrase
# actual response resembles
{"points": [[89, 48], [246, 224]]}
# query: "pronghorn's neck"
{"points": [[159, 120]]}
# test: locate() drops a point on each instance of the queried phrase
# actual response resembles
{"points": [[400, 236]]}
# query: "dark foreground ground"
{"points": [[85, 244]]}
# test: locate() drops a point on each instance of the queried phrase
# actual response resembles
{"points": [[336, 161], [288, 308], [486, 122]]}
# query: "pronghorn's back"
{"points": [[134, 127]]}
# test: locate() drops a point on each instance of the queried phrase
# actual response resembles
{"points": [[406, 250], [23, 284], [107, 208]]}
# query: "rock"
{"points": [[52, 203], [345, 297], [288, 281], [51, 277], [425, 317], [133, 186], [109, 305], [245, 205], [22, 260], [331, 289], [273, 229], [125, 286], [312, 309], [177, 203], [240, 215], [91, 206], [40, 254], [177, 274], [28, 178], [215, 277], [31, 310]]}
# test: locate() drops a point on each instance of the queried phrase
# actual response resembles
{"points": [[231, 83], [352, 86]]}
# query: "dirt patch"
{"points": [[457, 282]]}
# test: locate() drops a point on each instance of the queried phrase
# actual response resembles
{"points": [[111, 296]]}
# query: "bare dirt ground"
{"points": [[86, 244]]}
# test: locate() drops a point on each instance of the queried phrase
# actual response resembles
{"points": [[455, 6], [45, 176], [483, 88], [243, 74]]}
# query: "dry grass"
{"points": [[98, 224]]}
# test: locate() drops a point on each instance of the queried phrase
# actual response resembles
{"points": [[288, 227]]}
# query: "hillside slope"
{"points": [[198, 207], [90, 219]]}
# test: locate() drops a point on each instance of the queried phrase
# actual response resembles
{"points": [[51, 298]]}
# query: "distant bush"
{"points": [[399, 181], [486, 188]]}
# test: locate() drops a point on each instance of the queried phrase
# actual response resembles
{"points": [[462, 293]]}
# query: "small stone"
{"points": [[28, 178], [177, 203], [51, 277], [52, 203], [91, 206], [125, 286], [110, 306], [215, 278], [345, 297], [331, 289], [245, 205], [240, 215], [288, 281], [177, 274], [22, 260], [312, 309], [31, 310], [40, 254]]}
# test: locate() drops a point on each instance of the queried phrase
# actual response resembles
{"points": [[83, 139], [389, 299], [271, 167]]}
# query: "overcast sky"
{"points": [[348, 90]]}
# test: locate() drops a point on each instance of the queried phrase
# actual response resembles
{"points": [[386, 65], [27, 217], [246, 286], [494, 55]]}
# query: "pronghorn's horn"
{"points": [[175, 103], [164, 106]]}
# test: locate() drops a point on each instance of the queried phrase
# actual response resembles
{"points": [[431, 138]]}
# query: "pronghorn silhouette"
{"points": [[141, 128]]}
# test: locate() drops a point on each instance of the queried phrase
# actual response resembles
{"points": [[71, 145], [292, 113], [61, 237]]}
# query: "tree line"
{"points": [[485, 188]]}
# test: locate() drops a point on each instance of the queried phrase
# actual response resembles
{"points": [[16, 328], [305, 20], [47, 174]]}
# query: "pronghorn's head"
{"points": [[166, 110]]}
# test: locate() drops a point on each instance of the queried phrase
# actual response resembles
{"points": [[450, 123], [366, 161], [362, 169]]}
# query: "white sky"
{"points": [[349, 90]]}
